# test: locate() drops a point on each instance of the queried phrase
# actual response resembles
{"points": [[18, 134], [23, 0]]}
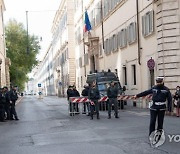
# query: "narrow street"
{"points": [[46, 128]]}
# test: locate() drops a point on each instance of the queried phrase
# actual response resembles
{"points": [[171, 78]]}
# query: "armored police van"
{"points": [[103, 80]]}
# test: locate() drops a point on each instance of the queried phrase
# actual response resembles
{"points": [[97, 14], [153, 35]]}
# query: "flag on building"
{"points": [[87, 23]]}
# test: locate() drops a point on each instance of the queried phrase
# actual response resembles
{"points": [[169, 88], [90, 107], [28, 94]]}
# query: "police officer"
{"points": [[160, 94], [2, 103], [70, 92], [13, 97], [93, 96], [84, 93], [112, 93], [7, 103], [76, 94]]}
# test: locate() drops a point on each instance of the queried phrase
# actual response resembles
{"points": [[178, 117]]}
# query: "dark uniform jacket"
{"points": [[93, 94], [7, 96], [85, 91], [159, 94], [13, 95], [112, 92], [72, 93], [76, 93], [2, 100]]}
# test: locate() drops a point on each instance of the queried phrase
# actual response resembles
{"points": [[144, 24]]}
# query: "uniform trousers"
{"points": [[159, 115]]}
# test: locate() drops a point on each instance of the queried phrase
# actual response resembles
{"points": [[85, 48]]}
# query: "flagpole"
{"points": [[83, 38]]}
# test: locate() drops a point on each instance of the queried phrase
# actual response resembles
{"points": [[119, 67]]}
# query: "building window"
{"points": [[81, 81], [122, 38], [125, 75], [115, 42], [100, 50], [77, 4], [132, 33], [111, 44], [92, 18], [80, 62], [86, 60], [134, 74], [107, 47], [98, 13], [106, 7], [148, 23]]}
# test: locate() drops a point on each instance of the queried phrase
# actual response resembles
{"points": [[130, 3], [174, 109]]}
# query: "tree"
{"points": [[21, 62]]}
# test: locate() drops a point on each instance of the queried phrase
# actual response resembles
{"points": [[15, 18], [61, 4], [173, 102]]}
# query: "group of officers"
{"points": [[8, 100], [91, 91], [160, 95]]}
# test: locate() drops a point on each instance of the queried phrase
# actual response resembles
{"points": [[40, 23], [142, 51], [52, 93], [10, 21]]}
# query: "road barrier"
{"points": [[78, 104]]}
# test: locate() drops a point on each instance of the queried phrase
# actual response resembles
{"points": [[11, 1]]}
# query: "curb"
{"points": [[19, 100]]}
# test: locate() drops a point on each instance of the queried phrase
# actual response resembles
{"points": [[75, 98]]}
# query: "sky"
{"points": [[40, 17]]}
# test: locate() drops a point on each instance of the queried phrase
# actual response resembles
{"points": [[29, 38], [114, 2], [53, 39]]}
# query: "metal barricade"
{"points": [[78, 105]]}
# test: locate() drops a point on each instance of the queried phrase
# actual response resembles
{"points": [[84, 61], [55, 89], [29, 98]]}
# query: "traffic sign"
{"points": [[151, 64]]}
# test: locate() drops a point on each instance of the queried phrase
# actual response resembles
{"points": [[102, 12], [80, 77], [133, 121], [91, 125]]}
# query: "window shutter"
{"points": [[125, 37], [129, 33], [100, 50], [135, 31], [143, 25], [106, 46], [151, 21], [119, 38]]}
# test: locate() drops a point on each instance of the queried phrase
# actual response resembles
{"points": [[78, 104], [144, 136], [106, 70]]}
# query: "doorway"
{"points": [[92, 63]]}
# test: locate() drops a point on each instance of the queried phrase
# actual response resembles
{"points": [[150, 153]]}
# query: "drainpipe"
{"points": [[138, 33], [84, 49], [102, 24]]}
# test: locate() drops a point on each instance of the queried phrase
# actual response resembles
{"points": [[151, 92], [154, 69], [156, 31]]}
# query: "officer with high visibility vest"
{"points": [[160, 94]]}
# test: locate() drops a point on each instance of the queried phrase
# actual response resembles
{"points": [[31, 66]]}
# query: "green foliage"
{"points": [[21, 62]]}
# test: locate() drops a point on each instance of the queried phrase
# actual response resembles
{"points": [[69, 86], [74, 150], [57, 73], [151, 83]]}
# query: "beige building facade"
{"points": [[4, 61], [63, 47], [128, 37], [125, 35], [57, 70]]}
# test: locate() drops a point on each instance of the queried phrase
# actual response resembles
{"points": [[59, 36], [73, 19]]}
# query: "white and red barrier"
{"points": [[105, 98]]}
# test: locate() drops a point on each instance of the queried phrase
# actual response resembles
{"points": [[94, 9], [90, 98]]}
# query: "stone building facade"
{"points": [[128, 37], [4, 61]]}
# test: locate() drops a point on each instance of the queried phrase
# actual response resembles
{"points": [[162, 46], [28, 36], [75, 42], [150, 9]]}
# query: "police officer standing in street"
{"points": [[160, 94], [13, 97], [84, 93], [93, 96], [112, 93], [2, 103], [7, 103]]}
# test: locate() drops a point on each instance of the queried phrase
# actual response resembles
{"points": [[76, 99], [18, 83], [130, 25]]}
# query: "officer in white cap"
{"points": [[160, 94]]}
